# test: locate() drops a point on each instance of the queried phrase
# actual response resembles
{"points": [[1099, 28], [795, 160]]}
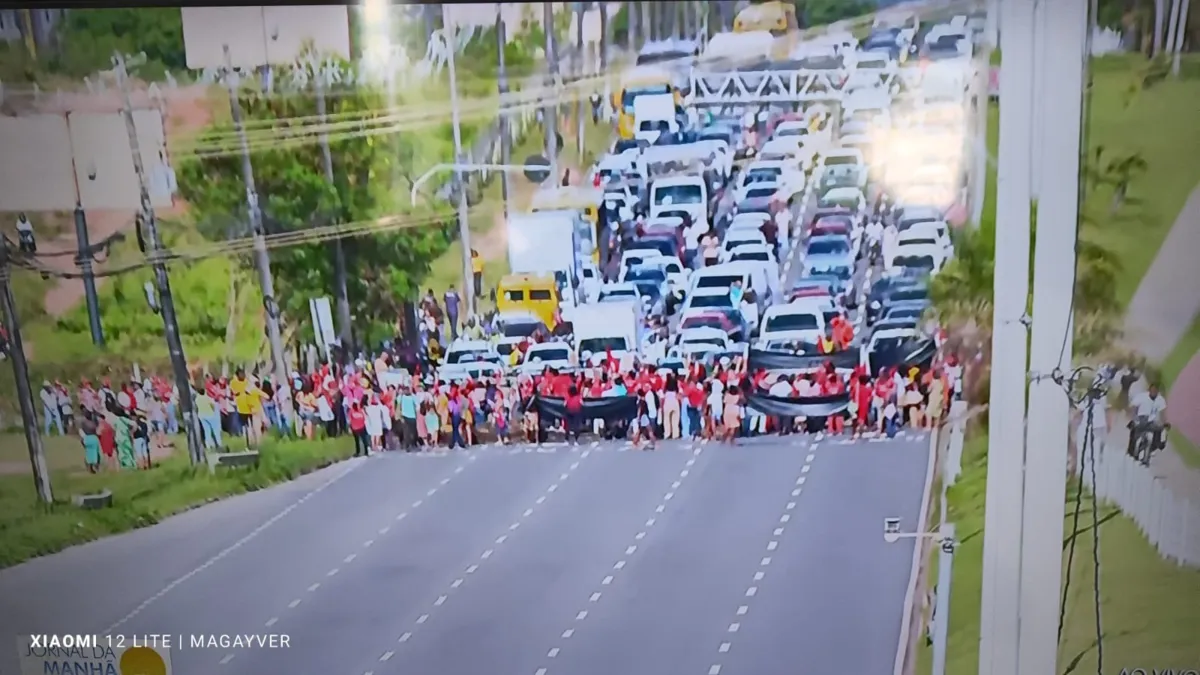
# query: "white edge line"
{"points": [[906, 619]]}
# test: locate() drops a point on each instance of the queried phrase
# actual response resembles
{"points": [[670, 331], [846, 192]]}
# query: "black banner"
{"points": [[778, 360], [783, 406], [611, 408], [905, 353]]}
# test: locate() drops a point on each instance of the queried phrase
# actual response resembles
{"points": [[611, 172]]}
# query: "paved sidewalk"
{"points": [[1162, 310]]}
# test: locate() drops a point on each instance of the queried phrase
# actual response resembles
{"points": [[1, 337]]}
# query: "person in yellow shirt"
{"points": [[477, 272], [238, 385]]}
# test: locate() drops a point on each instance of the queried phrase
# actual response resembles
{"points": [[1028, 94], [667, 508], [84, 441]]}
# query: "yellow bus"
{"points": [[778, 18], [637, 81], [586, 200]]}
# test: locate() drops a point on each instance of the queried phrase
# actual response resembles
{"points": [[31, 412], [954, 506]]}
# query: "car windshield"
{"points": [[904, 313], [832, 247], [841, 160], [762, 256], [762, 175], [784, 322], [632, 93], [919, 242], [599, 345], [618, 294], [550, 355], [759, 193], [646, 274], [837, 201], [702, 322], [909, 294], [663, 246], [722, 300], [519, 329], [649, 289], [708, 340], [467, 356], [678, 194], [791, 131], [714, 281]]}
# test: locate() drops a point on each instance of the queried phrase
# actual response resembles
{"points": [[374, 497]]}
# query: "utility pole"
{"points": [[261, 256], [633, 14], [464, 223], [505, 130], [605, 40], [551, 111], [1064, 36], [166, 300], [1180, 35], [1173, 26], [16, 352], [84, 262], [999, 609], [580, 13], [340, 292]]}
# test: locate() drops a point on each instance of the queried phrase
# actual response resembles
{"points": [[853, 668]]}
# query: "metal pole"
{"points": [[991, 24], [340, 291], [579, 71], [941, 610], [1173, 25], [166, 300], [551, 111], [464, 222], [505, 130], [1182, 33], [261, 256], [84, 262], [1064, 49], [632, 15], [1160, 10], [16, 352], [1006, 437]]}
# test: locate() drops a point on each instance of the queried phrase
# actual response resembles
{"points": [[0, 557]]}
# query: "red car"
{"points": [[820, 214], [716, 320], [827, 226]]}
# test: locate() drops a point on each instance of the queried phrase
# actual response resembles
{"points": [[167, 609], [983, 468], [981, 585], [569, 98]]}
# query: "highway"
{"points": [[767, 557]]}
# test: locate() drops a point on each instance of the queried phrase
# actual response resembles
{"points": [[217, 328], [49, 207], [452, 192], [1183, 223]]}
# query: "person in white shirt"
{"points": [[26, 241], [716, 404], [1149, 416], [1084, 442], [51, 415]]}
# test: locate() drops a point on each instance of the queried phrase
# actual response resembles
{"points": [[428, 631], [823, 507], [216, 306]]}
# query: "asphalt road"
{"points": [[694, 558]]}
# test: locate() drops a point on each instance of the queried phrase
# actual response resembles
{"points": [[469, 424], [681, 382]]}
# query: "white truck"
{"points": [[601, 327], [548, 242], [654, 115]]}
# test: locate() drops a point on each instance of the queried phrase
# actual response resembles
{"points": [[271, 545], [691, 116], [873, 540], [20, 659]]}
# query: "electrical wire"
{"points": [[1096, 562], [1062, 607], [246, 245]]}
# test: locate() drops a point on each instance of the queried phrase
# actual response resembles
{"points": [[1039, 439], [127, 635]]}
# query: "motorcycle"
{"points": [[26, 242], [1145, 438]]}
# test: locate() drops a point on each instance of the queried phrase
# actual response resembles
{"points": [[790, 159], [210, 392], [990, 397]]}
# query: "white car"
{"points": [[787, 175], [463, 350], [620, 292], [848, 197], [703, 299], [736, 238], [713, 337], [752, 251], [799, 322], [938, 230], [840, 157], [637, 256], [556, 355], [747, 222], [916, 247]]}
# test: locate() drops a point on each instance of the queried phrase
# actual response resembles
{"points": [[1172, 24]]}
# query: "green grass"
{"points": [[1160, 124], [1148, 605], [140, 498], [1187, 349]]}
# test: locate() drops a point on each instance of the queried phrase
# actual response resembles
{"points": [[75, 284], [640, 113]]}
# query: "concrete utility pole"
{"points": [[261, 256], [1160, 12], [1064, 35], [83, 260], [166, 300], [505, 131], [16, 353], [941, 611], [580, 66], [1173, 26], [551, 110], [649, 23], [1180, 35], [341, 295], [464, 222], [999, 616]]}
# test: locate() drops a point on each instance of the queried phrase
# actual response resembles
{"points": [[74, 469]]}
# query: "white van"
{"points": [[654, 114], [681, 193]]}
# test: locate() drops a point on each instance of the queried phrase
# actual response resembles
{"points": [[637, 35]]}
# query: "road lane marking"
{"points": [[772, 545], [620, 565], [332, 572], [405, 637], [293, 604], [487, 554], [272, 621], [734, 627], [350, 558], [631, 550], [724, 647], [752, 591], [423, 618], [227, 658], [595, 597], [715, 669], [501, 539], [568, 633], [581, 615], [440, 601], [552, 653], [607, 580], [456, 583], [387, 656], [314, 587], [758, 576], [741, 611]]}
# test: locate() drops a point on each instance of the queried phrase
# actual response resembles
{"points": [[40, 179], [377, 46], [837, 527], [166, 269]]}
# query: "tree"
{"points": [[825, 12], [88, 38], [372, 179]]}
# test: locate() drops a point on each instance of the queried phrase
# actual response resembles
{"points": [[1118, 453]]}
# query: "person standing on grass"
{"points": [[66, 409], [140, 430], [89, 436], [452, 301], [356, 418], [477, 272], [51, 417], [210, 419]]}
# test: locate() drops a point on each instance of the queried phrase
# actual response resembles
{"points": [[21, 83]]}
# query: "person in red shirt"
{"points": [[573, 407], [862, 396], [694, 395], [356, 417], [834, 386]]}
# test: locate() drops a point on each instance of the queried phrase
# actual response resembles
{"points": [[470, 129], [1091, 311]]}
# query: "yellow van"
{"points": [[637, 81], [778, 18], [533, 293], [585, 199]]}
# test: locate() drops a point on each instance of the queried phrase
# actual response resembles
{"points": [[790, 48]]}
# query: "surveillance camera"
{"points": [[948, 545], [891, 525]]}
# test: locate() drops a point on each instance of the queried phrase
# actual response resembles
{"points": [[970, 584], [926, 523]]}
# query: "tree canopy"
{"points": [[373, 175], [88, 38]]}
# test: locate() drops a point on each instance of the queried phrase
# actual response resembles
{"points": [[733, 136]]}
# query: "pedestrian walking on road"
{"points": [[357, 419]]}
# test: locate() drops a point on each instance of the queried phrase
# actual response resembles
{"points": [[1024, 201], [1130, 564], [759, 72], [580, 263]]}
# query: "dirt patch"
{"points": [[187, 110]]}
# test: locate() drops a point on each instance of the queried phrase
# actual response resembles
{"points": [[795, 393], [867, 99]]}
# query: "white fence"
{"points": [[1170, 522]]}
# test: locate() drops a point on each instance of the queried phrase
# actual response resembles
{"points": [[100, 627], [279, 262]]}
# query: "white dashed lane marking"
{"points": [[763, 564], [596, 596]]}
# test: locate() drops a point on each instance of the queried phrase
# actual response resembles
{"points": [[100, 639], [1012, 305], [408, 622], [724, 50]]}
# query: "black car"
{"points": [[907, 291]]}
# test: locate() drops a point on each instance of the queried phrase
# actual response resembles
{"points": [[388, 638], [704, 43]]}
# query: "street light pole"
{"points": [[551, 110], [941, 608], [341, 294], [464, 223], [505, 130]]}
